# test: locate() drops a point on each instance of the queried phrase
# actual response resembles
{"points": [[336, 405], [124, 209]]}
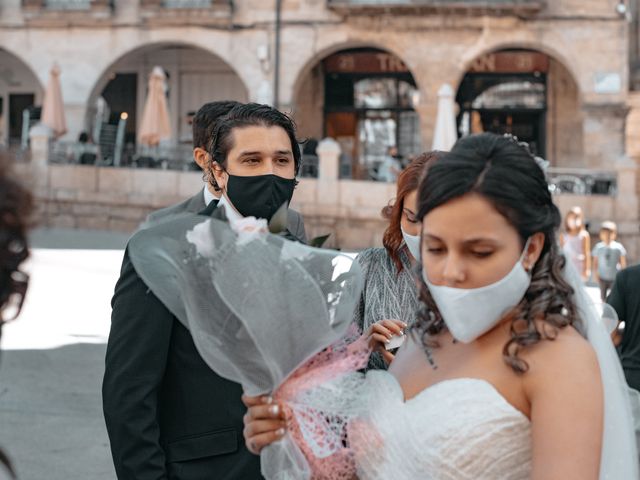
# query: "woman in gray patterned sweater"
{"points": [[388, 302]]}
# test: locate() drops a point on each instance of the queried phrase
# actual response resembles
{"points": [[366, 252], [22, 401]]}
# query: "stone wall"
{"points": [[585, 36], [105, 198]]}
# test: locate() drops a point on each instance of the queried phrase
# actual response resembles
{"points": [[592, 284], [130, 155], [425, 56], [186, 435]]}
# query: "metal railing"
{"points": [[437, 3], [576, 181], [171, 157], [187, 3], [68, 4]]}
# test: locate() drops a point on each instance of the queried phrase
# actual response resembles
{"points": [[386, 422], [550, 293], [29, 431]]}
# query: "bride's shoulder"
{"points": [[563, 355]]}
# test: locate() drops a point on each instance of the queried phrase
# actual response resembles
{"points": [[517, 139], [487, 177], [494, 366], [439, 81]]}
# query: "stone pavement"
{"points": [[53, 359]]}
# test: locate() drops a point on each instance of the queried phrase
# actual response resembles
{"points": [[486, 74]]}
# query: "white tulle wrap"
{"points": [[274, 316]]}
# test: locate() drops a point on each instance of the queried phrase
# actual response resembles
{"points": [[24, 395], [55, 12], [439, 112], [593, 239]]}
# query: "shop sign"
{"points": [[511, 62], [364, 62]]}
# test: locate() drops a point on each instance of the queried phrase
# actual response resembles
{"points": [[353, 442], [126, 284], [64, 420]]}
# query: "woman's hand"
{"points": [[380, 334], [264, 423]]}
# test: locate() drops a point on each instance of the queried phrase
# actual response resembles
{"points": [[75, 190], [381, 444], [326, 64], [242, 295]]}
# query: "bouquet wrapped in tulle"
{"points": [[274, 316]]}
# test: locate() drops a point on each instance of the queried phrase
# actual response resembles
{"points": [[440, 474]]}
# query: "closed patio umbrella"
{"points": [[155, 124], [445, 134], [53, 106]]}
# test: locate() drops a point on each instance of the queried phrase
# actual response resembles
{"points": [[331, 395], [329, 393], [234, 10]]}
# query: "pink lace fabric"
{"points": [[318, 411]]}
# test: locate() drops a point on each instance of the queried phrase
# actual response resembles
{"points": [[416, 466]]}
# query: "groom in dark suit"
{"points": [[168, 415], [204, 123]]}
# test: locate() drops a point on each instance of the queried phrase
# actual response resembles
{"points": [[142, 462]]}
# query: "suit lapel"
{"points": [[196, 203]]}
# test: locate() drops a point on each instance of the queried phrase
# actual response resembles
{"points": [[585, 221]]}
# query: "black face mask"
{"points": [[259, 196]]}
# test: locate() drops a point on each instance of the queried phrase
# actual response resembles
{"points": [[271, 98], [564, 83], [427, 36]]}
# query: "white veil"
{"points": [[619, 450]]}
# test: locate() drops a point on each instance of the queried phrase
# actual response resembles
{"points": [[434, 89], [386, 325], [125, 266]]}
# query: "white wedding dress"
{"points": [[456, 429]]}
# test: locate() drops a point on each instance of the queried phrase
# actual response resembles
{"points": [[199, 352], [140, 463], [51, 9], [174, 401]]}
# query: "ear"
{"points": [[534, 250], [220, 175], [201, 157]]}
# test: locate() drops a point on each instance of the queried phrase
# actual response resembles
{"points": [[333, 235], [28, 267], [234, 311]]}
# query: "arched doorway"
{"points": [[526, 93], [20, 97], [364, 98], [194, 77]]}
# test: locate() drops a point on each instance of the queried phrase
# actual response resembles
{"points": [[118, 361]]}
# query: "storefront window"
{"points": [[506, 92], [369, 108]]}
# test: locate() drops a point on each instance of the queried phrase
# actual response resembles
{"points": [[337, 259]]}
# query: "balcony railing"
{"points": [[576, 181], [68, 4], [53, 12], [187, 11], [365, 6]]}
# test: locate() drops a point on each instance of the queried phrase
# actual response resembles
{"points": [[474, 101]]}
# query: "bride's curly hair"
{"points": [[505, 173]]}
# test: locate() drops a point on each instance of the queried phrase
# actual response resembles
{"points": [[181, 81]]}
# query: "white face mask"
{"points": [[413, 244], [471, 312]]}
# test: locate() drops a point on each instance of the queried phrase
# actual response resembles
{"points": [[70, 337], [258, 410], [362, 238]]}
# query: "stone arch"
{"points": [[364, 95], [559, 127], [316, 57], [187, 81], [497, 45], [20, 88]]}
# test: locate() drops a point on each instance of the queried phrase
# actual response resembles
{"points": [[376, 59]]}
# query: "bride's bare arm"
{"points": [[567, 408]]}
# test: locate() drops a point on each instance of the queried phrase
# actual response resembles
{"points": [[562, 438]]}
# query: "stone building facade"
{"points": [[563, 65]]}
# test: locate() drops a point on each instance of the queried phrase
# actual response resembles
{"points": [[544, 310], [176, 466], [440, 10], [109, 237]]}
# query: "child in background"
{"points": [[609, 256], [575, 242]]}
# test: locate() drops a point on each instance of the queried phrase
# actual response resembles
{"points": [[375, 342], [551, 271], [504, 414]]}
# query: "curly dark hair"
{"points": [[15, 209], [249, 115], [506, 174], [408, 181]]}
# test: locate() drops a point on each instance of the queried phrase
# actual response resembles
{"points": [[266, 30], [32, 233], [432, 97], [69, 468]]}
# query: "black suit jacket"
{"points": [[625, 298], [168, 415]]}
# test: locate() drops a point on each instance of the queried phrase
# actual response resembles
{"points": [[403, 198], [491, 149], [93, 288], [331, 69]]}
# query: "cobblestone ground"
{"points": [[52, 360]]}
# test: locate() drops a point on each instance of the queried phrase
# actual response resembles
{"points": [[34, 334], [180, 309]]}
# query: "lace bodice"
{"points": [[456, 429]]}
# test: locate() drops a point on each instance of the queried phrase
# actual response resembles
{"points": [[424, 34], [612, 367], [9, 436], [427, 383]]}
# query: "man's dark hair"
{"points": [[204, 121], [250, 114]]}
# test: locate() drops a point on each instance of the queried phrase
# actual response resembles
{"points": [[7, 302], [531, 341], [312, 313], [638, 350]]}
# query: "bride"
{"points": [[500, 380], [506, 374]]}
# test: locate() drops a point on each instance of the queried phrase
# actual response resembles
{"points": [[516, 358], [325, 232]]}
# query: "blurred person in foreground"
{"points": [[203, 124], [15, 208], [389, 298]]}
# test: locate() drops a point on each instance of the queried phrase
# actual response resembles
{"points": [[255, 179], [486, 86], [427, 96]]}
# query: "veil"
{"points": [[619, 458]]}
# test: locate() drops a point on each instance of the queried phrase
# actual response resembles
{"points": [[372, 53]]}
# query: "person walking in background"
{"points": [[609, 256], [15, 208], [390, 167], [389, 299], [576, 243]]}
